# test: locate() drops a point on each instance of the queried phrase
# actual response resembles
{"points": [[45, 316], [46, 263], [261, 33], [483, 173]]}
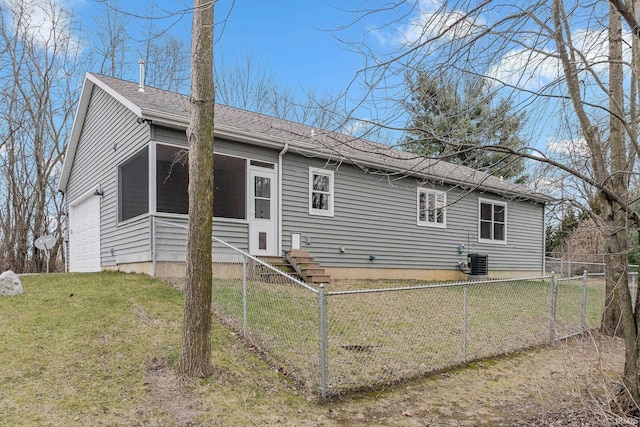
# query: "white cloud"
{"points": [[46, 23], [547, 185], [573, 148], [532, 69], [526, 69], [433, 22], [356, 127]]}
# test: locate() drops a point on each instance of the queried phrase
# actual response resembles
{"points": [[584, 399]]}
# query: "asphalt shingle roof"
{"points": [[160, 104]]}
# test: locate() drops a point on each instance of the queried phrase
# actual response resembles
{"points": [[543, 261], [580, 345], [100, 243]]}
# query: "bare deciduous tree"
{"points": [[195, 357], [246, 83], [117, 49], [556, 59], [37, 95]]}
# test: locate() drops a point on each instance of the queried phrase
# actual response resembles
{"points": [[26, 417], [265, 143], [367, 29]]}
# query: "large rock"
{"points": [[10, 283]]}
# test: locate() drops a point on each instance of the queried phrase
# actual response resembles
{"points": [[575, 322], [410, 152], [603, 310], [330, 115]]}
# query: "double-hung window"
{"points": [[432, 208], [320, 192], [493, 221]]}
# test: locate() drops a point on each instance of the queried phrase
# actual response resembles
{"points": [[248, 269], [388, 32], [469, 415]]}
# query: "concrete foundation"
{"points": [[173, 269]]}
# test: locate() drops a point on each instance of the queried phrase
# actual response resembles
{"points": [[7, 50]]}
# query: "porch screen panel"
{"points": [[230, 184], [133, 186], [172, 179]]}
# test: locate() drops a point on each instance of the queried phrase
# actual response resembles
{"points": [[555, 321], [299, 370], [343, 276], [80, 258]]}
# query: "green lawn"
{"points": [[83, 349], [377, 338], [99, 349]]}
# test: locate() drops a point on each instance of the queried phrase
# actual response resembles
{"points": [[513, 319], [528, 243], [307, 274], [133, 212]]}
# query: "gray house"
{"points": [[363, 210]]}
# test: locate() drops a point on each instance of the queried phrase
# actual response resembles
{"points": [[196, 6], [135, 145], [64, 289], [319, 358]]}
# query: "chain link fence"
{"points": [[573, 267], [377, 337], [338, 338], [338, 341], [276, 314]]}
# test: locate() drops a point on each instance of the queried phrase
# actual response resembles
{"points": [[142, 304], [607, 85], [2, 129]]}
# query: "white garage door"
{"points": [[84, 235]]}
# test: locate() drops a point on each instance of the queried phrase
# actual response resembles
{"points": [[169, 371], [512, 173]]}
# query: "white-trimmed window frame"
{"points": [[331, 195], [493, 203], [426, 222]]}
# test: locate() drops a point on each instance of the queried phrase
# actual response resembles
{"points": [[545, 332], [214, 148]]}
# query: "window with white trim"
{"points": [[320, 192], [432, 208], [492, 219]]}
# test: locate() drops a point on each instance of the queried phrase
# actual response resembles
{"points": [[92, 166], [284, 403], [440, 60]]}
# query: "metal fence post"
{"points": [[583, 311], [322, 303], [244, 296], [464, 323], [552, 307]]}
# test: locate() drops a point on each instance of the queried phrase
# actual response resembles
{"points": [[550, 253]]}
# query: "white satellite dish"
{"points": [[44, 243]]}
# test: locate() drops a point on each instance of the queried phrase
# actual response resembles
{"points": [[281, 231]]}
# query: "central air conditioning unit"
{"points": [[478, 264]]}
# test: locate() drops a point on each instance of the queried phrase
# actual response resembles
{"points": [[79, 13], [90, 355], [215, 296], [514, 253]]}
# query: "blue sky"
{"points": [[293, 38]]}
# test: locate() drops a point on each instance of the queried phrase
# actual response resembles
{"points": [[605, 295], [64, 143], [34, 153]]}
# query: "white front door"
{"points": [[262, 211], [84, 235]]}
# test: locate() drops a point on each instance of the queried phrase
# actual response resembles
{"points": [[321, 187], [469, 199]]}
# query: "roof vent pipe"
{"points": [[141, 82]]}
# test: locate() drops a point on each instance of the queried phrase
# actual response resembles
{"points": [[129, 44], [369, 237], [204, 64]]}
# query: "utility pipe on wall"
{"points": [[141, 77], [280, 156]]}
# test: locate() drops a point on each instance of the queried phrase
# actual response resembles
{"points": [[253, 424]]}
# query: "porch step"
{"points": [[296, 263], [319, 278], [305, 265], [268, 275], [273, 260]]}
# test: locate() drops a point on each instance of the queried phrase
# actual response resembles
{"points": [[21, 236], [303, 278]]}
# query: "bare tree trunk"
{"points": [[195, 357], [619, 317], [614, 220]]}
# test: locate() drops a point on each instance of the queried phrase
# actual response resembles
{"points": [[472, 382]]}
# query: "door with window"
{"points": [[262, 211]]}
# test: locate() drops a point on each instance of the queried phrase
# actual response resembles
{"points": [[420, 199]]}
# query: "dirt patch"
{"points": [[169, 394], [565, 385]]}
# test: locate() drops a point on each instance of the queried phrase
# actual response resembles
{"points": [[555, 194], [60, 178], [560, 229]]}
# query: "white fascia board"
{"points": [[76, 130], [158, 117]]}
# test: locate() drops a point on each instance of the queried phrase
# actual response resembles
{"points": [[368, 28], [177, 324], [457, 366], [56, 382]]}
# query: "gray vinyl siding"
{"points": [[95, 164], [373, 214], [171, 240], [171, 136], [376, 215]]}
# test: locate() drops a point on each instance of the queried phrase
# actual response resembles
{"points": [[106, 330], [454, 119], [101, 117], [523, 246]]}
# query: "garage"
{"points": [[84, 235]]}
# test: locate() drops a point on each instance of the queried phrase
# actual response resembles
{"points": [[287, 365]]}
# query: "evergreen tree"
{"points": [[557, 234], [457, 125]]}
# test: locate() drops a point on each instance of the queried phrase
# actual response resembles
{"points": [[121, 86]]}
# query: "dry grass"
{"points": [[99, 349], [378, 337]]}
